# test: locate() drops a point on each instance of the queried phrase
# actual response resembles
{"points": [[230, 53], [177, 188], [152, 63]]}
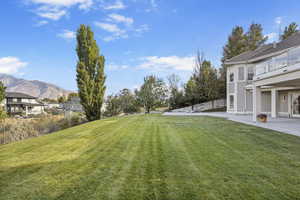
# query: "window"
{"points": [[241, 74], [19, 100], [284, 98], [250, 73], [294, 56], [231, 77], [231, 101]]}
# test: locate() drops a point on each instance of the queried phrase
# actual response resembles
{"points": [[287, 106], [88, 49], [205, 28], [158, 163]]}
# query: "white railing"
{"points": [[292, 57]]}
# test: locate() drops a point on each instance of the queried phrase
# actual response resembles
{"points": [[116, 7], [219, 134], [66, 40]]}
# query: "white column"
{"points": [[26, 110], [274, 97], [235, 100], [256, 102], [290, 110]]}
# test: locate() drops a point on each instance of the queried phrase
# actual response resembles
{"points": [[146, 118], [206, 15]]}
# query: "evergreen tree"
{"points": [[90, 73], [255, 37], [289, 30], [236, 44]]}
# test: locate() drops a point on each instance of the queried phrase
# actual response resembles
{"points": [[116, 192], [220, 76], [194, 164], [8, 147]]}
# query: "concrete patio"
{"points": [[285, 125]]}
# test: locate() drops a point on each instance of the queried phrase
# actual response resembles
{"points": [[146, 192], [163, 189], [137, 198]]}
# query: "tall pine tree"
{"points": [[255, 37], [289, 30], [236, 44], [90, 73]]}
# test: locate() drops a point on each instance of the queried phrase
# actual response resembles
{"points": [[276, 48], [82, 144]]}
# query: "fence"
{"points": [[215, 104]]}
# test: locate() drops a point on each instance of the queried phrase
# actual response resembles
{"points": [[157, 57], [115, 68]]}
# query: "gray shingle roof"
{"points": [[18, 95], [266, 50]]}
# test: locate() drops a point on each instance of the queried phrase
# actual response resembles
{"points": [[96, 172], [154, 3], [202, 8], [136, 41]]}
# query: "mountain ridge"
{"points": [[34, 88]]}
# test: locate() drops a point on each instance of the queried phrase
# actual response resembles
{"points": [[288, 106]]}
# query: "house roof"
{"points": [[18, 95], [266, 51], [25, 104]]}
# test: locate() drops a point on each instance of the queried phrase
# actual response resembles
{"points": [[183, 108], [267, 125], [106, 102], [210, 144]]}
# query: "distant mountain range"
{"points": [[34, 88]]}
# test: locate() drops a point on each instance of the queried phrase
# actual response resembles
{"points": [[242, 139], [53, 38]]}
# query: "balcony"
{"points": [[286, 62]]}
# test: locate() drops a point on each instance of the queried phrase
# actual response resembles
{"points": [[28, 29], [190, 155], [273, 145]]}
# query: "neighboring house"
{"points": [[52, 105], [266, 80], [19, 104], [73, 105]]}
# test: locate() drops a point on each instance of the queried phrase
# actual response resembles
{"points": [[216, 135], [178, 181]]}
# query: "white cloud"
{"points": [[278, 20], [142, 29], [117, 32], [41, 23], [153, 3], [11, 65], [271, 37], [52, 13], [114, 67], [64, 3], [120, 19], [156, 63], [153, 6], [113, 28], [67, 34], [56, 9], [118, 5]]}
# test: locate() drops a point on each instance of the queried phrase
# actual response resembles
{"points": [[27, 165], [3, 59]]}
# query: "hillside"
{"points": [[34, 88], [153, 157]]}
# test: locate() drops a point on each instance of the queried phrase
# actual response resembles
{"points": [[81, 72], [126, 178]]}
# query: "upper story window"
{"points": [[294, 56], [250, 73], [241, 74], [19, 100], [231, 77]]}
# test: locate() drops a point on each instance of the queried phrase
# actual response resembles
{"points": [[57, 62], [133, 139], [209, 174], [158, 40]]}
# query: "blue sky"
{"points": [[137, 37]]}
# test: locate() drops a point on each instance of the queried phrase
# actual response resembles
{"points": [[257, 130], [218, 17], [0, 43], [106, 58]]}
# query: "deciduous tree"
{"points": [[152, 93], [2, 97]]}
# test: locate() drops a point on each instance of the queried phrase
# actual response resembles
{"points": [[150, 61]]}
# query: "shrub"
{"points": [[12, 129]]}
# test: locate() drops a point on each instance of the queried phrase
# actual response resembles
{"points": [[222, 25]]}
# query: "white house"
{"points": [[19, 103], [266, 80]]}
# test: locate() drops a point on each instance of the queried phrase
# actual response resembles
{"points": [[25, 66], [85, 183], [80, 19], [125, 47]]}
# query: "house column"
{"points": [[256, 102], [26, 110], [274, 97]]}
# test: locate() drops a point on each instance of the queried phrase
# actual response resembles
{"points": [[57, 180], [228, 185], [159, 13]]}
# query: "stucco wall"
{"points": [[249, 101], [241, 107]]}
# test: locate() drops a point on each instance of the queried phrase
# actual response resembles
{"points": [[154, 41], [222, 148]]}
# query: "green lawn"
{"points": [[153, 157]]}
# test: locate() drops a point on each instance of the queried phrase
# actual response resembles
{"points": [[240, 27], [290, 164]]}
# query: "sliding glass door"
{"points": [[296, 104]]}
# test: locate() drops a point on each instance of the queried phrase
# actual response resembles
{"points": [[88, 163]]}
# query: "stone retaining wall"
{"points": [[219, 103]]}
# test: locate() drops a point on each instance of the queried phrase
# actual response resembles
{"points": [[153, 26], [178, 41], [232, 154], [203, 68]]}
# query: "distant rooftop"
{"points": [[18, 95], [266, 51]]}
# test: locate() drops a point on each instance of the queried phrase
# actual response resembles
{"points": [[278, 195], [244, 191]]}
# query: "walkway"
{"points": [[285, 125]]}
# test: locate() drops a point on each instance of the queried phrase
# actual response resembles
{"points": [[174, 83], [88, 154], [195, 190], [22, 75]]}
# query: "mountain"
{"points": [[34, 88]]}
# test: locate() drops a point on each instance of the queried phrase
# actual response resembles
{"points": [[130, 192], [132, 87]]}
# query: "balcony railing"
{"points": [[276, 63]]}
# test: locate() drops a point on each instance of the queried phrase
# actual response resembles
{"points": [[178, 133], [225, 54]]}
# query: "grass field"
{"points": [[153, 157]]}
